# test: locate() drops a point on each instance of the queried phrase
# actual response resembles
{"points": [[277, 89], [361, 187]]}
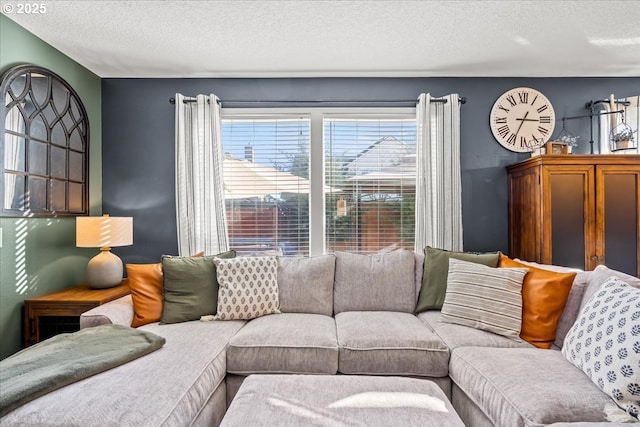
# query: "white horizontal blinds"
{"points": [[266, 170], [370, 179]]}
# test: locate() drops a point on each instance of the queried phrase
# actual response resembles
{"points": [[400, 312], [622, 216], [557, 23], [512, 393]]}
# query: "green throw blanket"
{"points": [[67, 358]]}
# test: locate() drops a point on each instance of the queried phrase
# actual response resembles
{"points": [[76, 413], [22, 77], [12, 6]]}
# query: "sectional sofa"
{"points": [[340, 314]]}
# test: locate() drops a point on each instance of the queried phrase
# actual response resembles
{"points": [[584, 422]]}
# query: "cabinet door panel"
{"points": [[617, 225], [524, 216], [569, 214]]}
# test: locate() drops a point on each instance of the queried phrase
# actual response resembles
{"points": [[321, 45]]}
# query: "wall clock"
{"points": [[522, 119]]}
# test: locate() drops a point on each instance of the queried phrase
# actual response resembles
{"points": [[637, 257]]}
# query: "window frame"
{"points": [[80, 125], [317, 116]]}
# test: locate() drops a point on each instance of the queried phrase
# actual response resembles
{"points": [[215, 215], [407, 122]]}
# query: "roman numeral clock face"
{"points": [[522, 119]]}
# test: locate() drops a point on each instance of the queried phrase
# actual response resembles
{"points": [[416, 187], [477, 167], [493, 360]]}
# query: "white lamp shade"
{"points": [[103, 231]]}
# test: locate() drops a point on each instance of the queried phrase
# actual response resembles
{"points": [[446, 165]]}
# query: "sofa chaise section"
{"points": [[523, 387], [142, 392]]}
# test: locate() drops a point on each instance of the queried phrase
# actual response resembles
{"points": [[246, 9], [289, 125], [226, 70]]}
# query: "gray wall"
{"points": [[138, 141]]}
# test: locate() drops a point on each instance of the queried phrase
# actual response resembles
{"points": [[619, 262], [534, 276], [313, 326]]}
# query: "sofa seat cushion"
{"points": [[389, 343], [455, 336], [287, 343], [170, 386], [526, 386]]}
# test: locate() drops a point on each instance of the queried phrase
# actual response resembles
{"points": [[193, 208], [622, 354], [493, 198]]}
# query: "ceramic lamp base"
{"points": [[104, 270]]}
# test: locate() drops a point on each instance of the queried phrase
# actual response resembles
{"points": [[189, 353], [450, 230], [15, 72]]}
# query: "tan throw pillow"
{"points": [[248, 287], [484, 297], [544, 295], [145, 283]]}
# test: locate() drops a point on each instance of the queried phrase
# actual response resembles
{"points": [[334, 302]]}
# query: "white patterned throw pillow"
{"points": [[604, 342], [248, 287]]}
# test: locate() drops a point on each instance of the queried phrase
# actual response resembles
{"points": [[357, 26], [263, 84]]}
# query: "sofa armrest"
{"points": [[116, 312]]}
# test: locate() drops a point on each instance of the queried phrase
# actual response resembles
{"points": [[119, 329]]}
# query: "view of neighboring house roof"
{"points": [[387, 151]]}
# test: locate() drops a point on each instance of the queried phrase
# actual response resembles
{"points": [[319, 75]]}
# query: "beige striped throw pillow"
{"points": [[484, 298]]}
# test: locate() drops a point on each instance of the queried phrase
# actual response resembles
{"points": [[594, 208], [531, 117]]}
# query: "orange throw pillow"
{"points": [[145, 282], [544, 295]]}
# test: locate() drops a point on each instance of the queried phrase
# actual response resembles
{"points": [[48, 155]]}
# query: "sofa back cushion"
{"points": [[600, 275], [306, 284], [571, 308], [584, 286], [419, 257], [378, 282]]}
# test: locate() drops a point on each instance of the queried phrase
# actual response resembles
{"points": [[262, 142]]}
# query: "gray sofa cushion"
{"points": [[455, 336], [389, 343], [379, 282], [116, 312], [167, 387], [526, 386], [419, 270], [600, 275], [306, 284], [287, 343], [571, 308]]}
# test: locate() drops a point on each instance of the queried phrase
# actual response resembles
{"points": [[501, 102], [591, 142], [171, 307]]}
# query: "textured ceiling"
{"points": [[343, 38]]}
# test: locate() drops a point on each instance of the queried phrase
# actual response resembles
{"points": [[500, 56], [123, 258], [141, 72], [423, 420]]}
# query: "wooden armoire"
{"points": [[576, 210]]}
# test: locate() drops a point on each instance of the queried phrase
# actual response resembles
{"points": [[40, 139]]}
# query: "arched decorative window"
{"points": [[45, 146]]}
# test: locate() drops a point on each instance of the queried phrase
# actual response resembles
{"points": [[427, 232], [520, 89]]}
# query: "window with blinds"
{"points": [[370, 166], [266, 183]]}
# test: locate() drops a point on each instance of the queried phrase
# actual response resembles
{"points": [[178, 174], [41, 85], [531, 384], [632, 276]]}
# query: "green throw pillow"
{"points": [[436, 269], [190, 287]]}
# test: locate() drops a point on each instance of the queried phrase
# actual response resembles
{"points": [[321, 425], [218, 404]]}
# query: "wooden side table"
{"points": [[58, 312]]}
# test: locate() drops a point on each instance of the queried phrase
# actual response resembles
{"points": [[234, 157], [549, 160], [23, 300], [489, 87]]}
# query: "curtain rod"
{"points": [[463, 100], [601, 113], [590, 104]]}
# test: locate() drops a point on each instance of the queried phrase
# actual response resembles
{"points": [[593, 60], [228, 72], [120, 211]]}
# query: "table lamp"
{"points": [[104, 232]]}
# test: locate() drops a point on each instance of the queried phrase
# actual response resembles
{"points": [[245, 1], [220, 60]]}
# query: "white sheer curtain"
{"points": [[438, 181], [610, 121], [200, 206]]}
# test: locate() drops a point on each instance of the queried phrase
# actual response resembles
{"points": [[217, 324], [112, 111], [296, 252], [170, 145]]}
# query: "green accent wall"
{"points": [[39, 256]]}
